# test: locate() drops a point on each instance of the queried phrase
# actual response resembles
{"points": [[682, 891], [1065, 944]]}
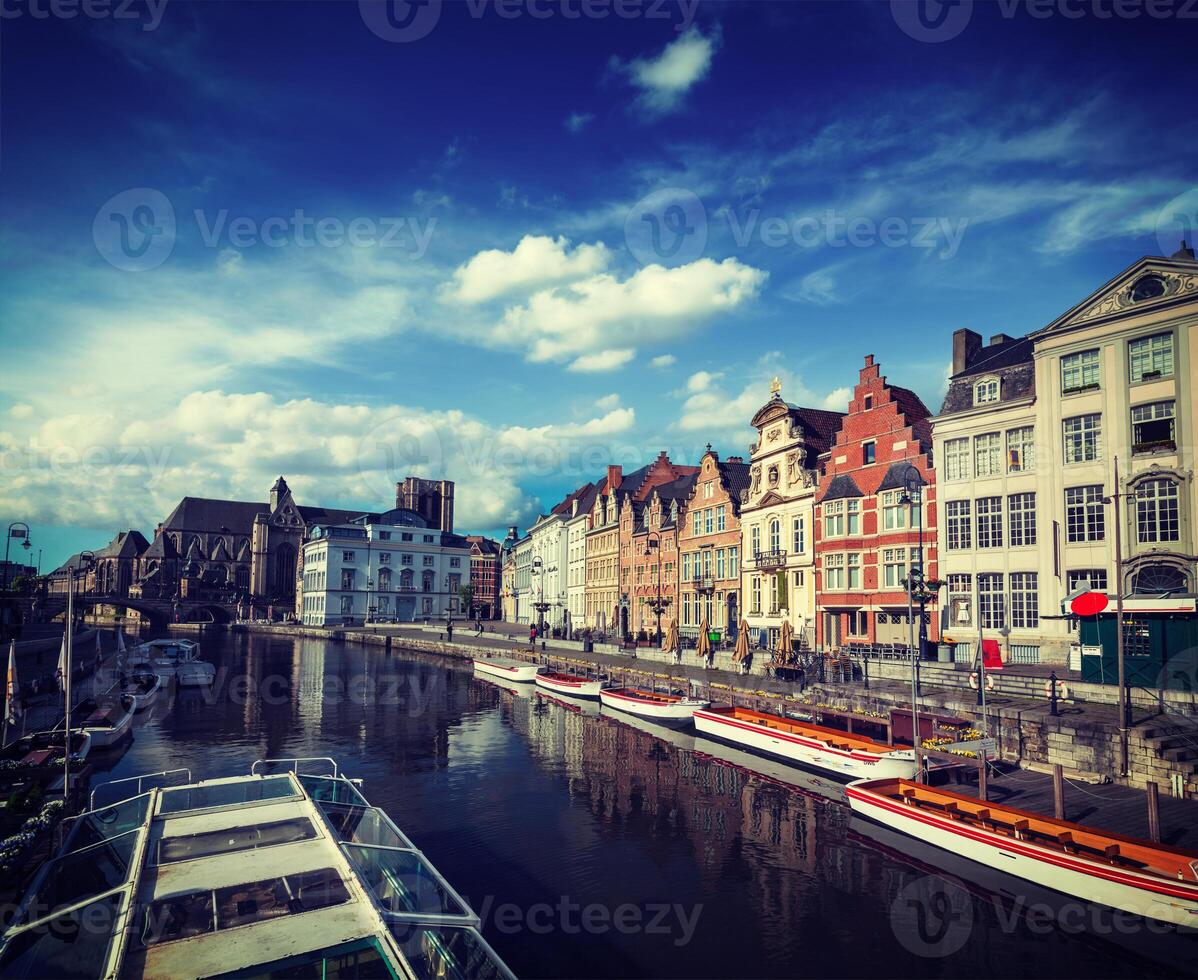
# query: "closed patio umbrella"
{"points": [[786, 646], [704, 648], [673, 641], [740, 653]]}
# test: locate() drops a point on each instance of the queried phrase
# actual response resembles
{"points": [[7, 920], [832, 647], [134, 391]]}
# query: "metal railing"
{"points": [[770, 559], [91, 804], [294, 764]]}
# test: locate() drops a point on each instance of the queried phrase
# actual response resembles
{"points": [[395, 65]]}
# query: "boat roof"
{"points": [[268, 872]]}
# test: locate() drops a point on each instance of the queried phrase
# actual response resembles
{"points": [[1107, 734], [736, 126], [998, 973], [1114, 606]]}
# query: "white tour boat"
{"points": [[142, 689], [575, 685], [506, 668], [107, 725], [1152, 880], [826, 749], [261, 875], [665, 709], [165, 656]]}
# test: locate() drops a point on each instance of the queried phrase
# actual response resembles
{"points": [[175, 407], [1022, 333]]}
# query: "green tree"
{"points": [[466, 593]]}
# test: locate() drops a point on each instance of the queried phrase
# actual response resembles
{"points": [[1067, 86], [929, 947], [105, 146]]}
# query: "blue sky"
{"points": [[513, 243]]}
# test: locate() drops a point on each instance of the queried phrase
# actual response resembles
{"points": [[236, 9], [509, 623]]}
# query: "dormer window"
{"points": [[1147, 287], [985, 392]]}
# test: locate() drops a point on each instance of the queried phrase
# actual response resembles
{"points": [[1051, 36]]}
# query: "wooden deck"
{"points": [[1118, 809]]}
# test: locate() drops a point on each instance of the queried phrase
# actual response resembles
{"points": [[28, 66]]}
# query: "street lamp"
{"points": [[370, 606], [658, 604], [1116, 498], [541, 606], [24, 533]]}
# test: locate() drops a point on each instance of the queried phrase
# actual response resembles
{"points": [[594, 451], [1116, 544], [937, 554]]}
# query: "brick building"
{"points": [[866, 532], [485, 575], [654, 552]]}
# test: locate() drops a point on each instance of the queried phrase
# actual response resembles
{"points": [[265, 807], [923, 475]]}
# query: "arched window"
{"points": [[1159, 578], [384, 580], [775, 535], [405, 579]]}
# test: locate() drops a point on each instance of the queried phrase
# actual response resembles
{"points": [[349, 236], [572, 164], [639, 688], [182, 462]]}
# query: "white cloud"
{"points": [[837, 400], [653, 304], [576, 122], [536, 261], [664, 361], [709, 407], [701, 380], [21, 410], [665, 79], [604, 360], [607, 402]]}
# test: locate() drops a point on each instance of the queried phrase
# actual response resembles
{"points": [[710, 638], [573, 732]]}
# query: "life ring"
{"points": [[973, 681], [1062, 690]]}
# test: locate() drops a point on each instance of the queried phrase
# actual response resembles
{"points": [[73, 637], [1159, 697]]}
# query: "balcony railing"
{"points": [[702, 583], [770, 559]]}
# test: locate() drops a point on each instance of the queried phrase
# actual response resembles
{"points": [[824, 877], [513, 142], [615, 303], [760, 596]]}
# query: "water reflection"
{"points": [[595, 844]]}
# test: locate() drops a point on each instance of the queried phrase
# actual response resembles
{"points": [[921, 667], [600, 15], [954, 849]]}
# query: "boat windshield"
{"points": [[447, 952], [74, 946], [403, 882], [363, 825], [110, 821], [362, 959], [235, 793], [74, 877]]}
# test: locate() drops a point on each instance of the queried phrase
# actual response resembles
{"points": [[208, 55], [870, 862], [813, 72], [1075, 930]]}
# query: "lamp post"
{"points": [[657, 604], [24, 533], [84, 561], [541, 606], [1124, 703]]}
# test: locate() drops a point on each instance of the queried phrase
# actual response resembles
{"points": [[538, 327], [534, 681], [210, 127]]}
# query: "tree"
{"points": [[23, 584], [466, 592]]}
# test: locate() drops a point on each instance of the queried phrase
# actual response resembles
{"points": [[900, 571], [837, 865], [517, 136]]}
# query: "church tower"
{"points": [[431, 499]]}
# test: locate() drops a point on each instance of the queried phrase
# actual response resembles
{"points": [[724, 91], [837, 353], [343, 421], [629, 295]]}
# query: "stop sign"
{"points": [[1089, 604]]}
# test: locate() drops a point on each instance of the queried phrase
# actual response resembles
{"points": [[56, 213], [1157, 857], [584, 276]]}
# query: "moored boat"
{"points": [[45, 749], [826, 749], [142, 689], [574, 685], [107, 725], [507, 668], [165, 656], [1137, 876], [665, 709], [195, 673]]}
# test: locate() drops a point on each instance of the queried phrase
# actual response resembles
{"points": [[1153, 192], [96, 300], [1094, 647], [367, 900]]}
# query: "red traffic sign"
{"points": [[1089, 604]]}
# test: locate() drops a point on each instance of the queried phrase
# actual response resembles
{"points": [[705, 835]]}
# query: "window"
{"points": [[869, 453], [1021, 509], [834, 519], [347, 579], [1092, 578], [960, 584], [686, 568], [1152, 427], [985, 391], [799, 535], [853, 516], [894, 567], [1021, 449], [721, 567], [991, 601], [854, 565], [956, 459], [987, 455], [1025, 601], [405, 559], [686, 608], [1083, 438], [347, 605], [428, 561], [756, 593], [894, 512], [989, 522], [405, 536], [775, 535], [1085, 514], [384, 558], [755, 540], [1151, 358], [1079, 372], [799, 579], [869, 402], [455, 562], [708, 521], [733, 562], [834, 572], [1157, 511], [957, 525], [721, 518], [347, 556]]}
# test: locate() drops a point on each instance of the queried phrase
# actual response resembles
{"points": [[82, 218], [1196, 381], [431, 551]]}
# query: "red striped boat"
{"points": [[822, 748], [575, 685], [1125, 873], [665, 709], [506, 668]]}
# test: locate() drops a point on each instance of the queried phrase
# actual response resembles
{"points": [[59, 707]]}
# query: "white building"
{"points": [[382, 567], [577, 524], [550, 559], [522, 600]]}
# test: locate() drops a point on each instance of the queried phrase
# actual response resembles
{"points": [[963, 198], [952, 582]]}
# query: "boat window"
{"points": [[404, 882], [185, 916], [447, 952], [204, 797], [189, 846], [74, 945], [362, 959], [363, 825], [107, 822], [332, 789], [74, 877]]}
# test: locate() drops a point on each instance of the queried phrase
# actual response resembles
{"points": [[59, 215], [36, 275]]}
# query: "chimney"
{"points": [[966, 345], [614, 475], [736, 459], [999, 339]]}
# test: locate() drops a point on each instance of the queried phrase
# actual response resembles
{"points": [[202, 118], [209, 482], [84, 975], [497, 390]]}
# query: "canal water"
{"points": [[596, 847]]}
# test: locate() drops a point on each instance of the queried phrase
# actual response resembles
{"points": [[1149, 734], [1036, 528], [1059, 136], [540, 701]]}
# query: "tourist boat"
{"points": [[516, 689], [266, 874], [164, 657], [506, 668], [107, 725], [1152, 880], [665, 709], [826, 749], [574, 685], [143, 688]]}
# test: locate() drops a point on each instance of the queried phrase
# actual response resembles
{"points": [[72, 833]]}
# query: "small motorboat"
{"points": [[195, 673], [45, 748], [574, 685], [506, 668], [665, 709], [504, 684], [164, 656], [143, 687], [107, 725], [1137, 876], [826, 749]]}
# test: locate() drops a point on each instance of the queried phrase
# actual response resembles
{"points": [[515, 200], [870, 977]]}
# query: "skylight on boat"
{"points": [[190, 846]]}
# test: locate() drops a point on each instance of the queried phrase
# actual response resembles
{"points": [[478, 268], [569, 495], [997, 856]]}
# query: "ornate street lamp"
{"points": [[658, 604], [22, 533], [541, 606]]}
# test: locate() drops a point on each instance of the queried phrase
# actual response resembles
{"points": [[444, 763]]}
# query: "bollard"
{"points": [[865, 663], [1154, 814], [1058, 791]]}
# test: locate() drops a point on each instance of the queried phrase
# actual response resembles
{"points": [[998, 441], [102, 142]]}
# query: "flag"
{"points": [[12, 690], [62, 663], [991, 656]]}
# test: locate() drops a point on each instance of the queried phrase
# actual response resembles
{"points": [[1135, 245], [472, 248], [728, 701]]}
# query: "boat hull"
{"points": [[510, 670], [806, 751], [195, 673], [106, 738], [138, 702], [574, 687], [679, 712], [1091, 881]]}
